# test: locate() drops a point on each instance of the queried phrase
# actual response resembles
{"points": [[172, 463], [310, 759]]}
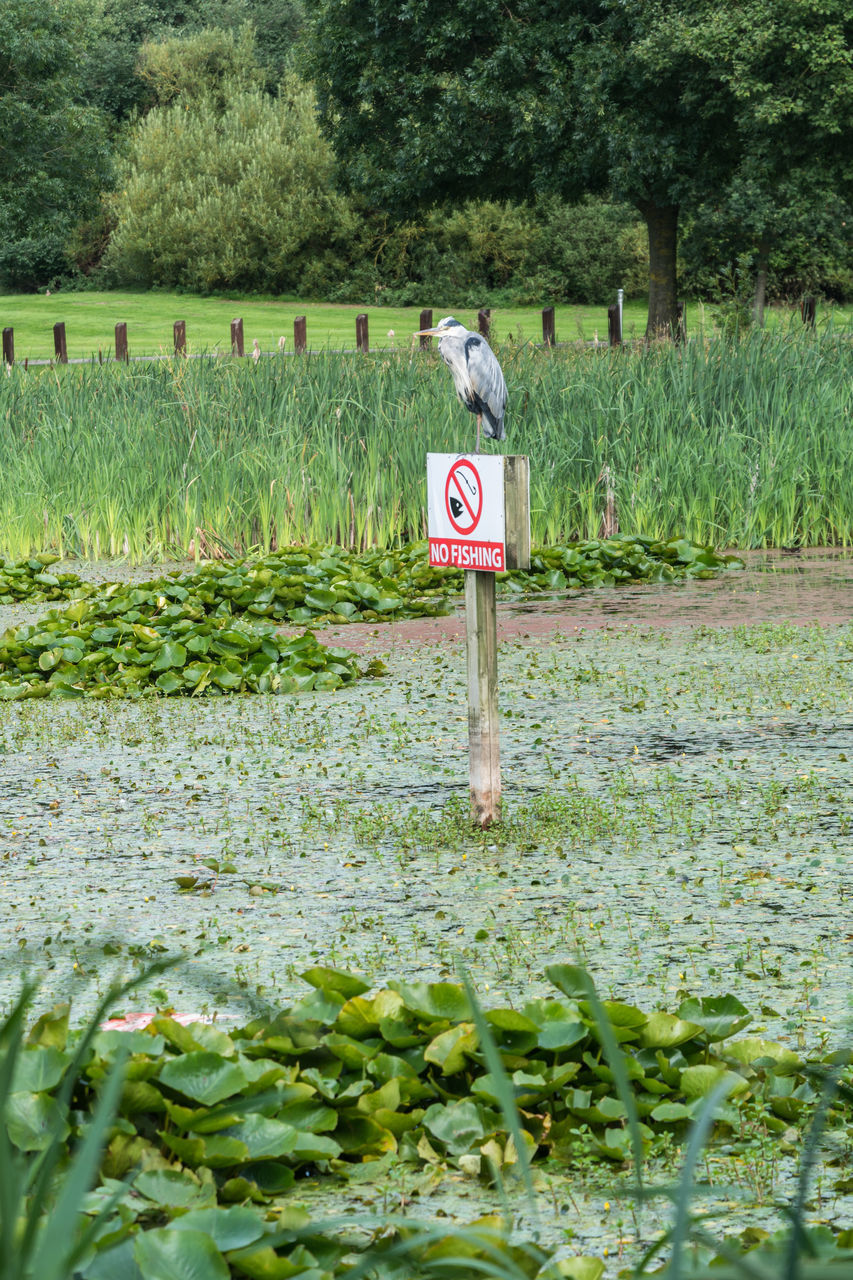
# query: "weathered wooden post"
{"points": [[121, 342], [180, 335], [484, 321], [237, 347], [60, 350], [8, 346], [300, 337], [548, 329], [614, 325], [479, 521], [361, 337], [808, 310], [425, 323]]}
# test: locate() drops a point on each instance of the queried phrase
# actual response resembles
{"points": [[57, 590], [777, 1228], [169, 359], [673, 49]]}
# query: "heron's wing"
{"points": [[487, 382]]}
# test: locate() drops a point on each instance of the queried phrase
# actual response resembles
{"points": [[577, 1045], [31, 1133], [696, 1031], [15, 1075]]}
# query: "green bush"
{"points": [[500, 252], [808, 251], [241, 198]]}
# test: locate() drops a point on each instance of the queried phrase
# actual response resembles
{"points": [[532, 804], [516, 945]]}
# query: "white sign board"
{"points": [[465, 505]]}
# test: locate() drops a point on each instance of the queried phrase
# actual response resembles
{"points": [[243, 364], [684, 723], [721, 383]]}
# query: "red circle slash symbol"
{"points": [[463, 496]]}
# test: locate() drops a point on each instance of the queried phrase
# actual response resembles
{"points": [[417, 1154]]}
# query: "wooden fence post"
{"points": [[8, 346], [808, 310], [237, 347], [121, 342], [60, 350], [361, 338], [300, 338], [180, 333], [614, 325], [425, 323], [484, 321], [549, 335]]}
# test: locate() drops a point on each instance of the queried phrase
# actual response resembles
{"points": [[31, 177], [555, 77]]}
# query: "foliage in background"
{"points": [[658, 102], [498, 251], [208, 66], [54, 159], [741, 444], [240, 197], [110, 68], [804, 250]]}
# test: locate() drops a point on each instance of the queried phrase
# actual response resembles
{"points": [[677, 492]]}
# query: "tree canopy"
{"points": [[660, 101], [54, 158]]}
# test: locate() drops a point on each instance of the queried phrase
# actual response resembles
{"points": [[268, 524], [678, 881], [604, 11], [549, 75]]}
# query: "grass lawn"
{"points": [[90, 320]]}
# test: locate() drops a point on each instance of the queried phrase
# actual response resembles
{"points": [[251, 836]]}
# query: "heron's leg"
{"points": [[479, 421]]}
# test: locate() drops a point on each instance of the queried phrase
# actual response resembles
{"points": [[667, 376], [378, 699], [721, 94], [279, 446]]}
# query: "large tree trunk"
{"points": [[662, 223]]}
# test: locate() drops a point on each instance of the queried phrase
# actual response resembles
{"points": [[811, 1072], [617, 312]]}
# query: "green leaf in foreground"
{"points": [[165, 1254]]}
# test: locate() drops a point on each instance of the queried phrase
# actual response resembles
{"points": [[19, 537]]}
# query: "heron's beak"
{"points": [[427, 333]]}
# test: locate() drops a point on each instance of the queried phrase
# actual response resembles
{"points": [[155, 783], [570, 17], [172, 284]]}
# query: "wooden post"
{"points": [[808, 310], [180, 332], [300, 339], [517, 510], [237, 347], [121, 342], [484, 752], [425, 323], [361, 339], [614, 325], [60, 350], [8, 346], [484, 321], [548, 329]]}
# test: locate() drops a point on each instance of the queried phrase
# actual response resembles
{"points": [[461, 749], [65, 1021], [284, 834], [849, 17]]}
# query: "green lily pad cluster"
{"points": [[177, 634], [32, 579], [130, 645], [609, 562], [342, 1078], [305, 584], [214, 1127]]}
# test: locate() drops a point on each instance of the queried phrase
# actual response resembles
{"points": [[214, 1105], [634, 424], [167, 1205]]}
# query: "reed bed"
{"points": [[742, 444]]}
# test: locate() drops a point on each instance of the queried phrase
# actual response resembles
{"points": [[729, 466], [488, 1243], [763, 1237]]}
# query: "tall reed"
{"points": [[744, 444]]}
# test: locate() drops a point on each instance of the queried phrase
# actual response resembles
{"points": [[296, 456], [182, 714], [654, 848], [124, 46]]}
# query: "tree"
{"points": [[111, 71], [53, 153], [656, 100], [205, 65], [237, 198]]}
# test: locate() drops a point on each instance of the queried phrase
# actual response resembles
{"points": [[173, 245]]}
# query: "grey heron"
{"points": [[476, 373]]}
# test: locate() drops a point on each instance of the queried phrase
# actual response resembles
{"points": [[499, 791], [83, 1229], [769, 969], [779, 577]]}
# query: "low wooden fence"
{"points": [[300, 337], [362, 340]]}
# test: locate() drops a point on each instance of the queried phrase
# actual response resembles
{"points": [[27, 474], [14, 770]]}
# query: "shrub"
{"points": [[237, 199]]}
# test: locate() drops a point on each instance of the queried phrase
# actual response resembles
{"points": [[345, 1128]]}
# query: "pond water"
{"points": [[677, 817]]}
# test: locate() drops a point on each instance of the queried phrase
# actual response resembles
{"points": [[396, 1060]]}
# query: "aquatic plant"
{"points": [[732, 444]]}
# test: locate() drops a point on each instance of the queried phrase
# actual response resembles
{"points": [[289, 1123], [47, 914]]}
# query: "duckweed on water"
{"points": [[177, 635]]}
